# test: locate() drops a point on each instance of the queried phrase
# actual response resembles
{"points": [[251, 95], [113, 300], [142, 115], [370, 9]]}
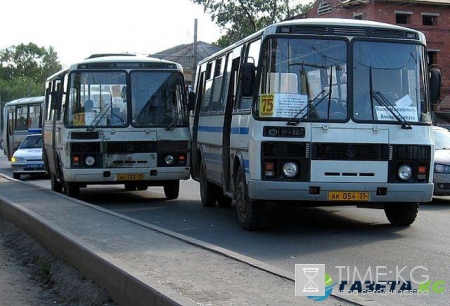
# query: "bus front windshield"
{"points": [[158, 99], [97, 99], [307, 80], [303, 79], [388, 82]]}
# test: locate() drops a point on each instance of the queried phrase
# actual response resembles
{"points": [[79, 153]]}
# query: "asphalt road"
{"points": [[354, 244]]}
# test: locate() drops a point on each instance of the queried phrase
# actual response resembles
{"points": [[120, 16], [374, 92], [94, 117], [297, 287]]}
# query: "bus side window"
{"points": [[252, 57]]}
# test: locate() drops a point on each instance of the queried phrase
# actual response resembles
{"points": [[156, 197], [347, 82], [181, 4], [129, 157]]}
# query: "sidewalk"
{"points": [[140, 264]]}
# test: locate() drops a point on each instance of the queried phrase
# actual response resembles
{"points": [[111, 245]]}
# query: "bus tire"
{"points": [[401, 214], [251, 213], [55, 184], [72, 189], [130, 186], [172, 190], [208, 191], [16, 176]]}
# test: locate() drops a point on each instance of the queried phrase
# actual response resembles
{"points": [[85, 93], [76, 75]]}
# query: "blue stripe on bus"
{"points": [[219, 129]]}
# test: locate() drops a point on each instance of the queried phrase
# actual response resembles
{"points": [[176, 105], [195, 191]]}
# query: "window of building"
{"points": [[432, 57], [324, 8], [403, 17], [358, 16], [429, 19]]}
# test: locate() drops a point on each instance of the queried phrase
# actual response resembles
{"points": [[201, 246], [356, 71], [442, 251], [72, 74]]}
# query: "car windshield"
{"points": [[442, 139], [31, 142]]}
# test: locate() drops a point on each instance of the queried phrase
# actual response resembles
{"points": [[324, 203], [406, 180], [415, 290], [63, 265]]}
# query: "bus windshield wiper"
{"points": [[173, 123], [381, 99], [314, 105], [99, 117]]}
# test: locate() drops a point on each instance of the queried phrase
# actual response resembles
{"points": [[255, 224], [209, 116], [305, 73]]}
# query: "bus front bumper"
{"points": [[125, 175], [340, 192]]}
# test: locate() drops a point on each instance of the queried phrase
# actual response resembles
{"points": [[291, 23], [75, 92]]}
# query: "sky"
{"points": [[79, 28]]}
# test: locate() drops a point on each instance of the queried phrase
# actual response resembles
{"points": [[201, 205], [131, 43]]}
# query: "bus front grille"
{"points": [[127, 147], [84, 135], [350, 151]]}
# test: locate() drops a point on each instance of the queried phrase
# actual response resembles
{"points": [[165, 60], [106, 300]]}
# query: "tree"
{"points": [[24, 69], [241, 18]]}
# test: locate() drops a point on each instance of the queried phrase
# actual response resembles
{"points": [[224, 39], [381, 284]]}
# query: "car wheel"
{"points": [[251, 213], [401, 214]]}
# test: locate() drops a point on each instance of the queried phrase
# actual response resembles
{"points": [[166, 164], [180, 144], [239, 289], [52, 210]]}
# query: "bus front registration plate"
{"points": [[348, 196], [130, 177]]}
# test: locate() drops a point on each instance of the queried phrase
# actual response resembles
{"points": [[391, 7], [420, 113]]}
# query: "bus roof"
{"points": [[126, 59], [27, 100], [119, 61], [315, 23]]}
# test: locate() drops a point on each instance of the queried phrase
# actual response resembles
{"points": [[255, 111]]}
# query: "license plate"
{"points": [[35, 166], [130, 177], [348, 196]]}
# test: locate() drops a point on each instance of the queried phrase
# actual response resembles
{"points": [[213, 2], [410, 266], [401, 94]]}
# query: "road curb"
{"points": [[124, 286]]}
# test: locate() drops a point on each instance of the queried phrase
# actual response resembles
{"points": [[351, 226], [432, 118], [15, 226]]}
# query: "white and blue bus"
{"points": [[21, 117], [316, 112], [117, 119]]}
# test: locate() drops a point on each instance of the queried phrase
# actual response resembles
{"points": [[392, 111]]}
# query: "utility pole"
{"points": [[194, 67]]}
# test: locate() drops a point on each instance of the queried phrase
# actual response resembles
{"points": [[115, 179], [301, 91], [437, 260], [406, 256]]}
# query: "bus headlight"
{"points": [[290, 169], [169, 160], [404, 172], [89, 161]]}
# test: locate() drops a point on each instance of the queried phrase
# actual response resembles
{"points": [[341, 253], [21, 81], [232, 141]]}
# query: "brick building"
{"points": [[432, 17]]}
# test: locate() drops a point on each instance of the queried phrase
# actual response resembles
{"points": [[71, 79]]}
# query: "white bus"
{"points": [[316, 112], [21, 117], [117, 120]]}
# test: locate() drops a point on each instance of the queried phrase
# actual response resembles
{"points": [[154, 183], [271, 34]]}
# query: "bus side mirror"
{"points": [[435, 85], [191, 100], [248, 79]]}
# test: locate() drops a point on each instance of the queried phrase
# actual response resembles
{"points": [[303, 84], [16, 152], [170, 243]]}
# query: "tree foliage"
{"points": [[241, 18], [24, 69]]}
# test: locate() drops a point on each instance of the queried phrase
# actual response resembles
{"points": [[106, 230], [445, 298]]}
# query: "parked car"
{"points": [[441, 176], [28, 157]]}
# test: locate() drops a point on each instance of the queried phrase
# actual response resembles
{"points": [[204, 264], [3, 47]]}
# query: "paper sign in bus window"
{"points": [[282, 105], [403, 106]]}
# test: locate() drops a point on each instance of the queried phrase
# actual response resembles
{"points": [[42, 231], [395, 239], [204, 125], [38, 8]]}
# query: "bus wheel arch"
{"points": [[251, 213], [208, 191]]}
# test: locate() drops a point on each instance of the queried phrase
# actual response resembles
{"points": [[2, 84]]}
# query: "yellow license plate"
{"points": [[130, 177], [348, 196]]}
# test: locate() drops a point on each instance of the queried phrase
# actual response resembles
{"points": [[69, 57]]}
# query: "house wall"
{"points": [[438, 35]]}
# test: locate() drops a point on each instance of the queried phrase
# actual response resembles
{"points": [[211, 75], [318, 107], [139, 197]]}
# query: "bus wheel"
{"points": [[16, 176], [224, 201], [251, 213], [172, 190], [55, 185], [208, 191], [72, 189], [130, 186], [401, 214]]}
